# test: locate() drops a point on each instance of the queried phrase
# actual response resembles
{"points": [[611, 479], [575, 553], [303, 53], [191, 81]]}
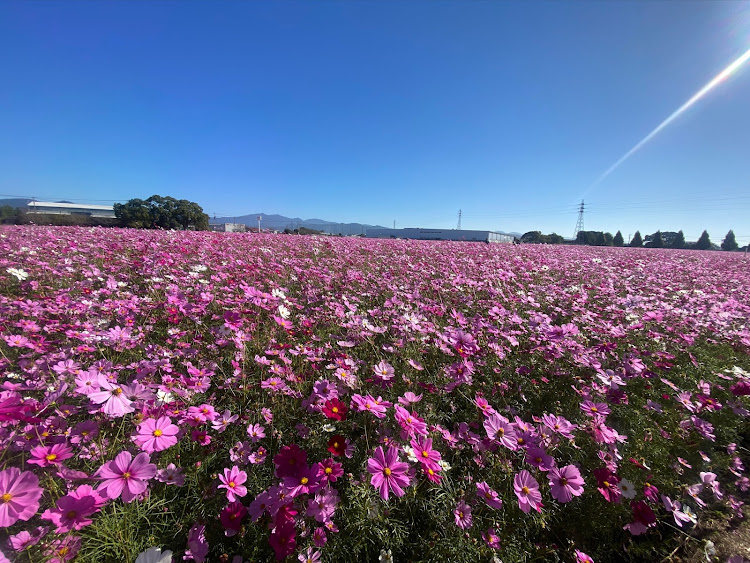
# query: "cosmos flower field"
{"points": [[240, 397]]}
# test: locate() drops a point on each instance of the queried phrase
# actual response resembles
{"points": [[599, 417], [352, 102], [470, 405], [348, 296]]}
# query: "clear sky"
{"points": [[375, 111]]}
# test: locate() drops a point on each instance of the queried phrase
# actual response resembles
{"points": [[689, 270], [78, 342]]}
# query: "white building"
{"points": [[440, 234], [229, 228], [52, 208]]}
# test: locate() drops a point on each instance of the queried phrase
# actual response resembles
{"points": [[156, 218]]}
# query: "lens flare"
{"points": [[723, 75]]}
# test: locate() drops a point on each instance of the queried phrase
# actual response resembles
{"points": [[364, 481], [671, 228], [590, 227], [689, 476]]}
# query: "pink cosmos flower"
{"points": [[581, 557], [323, 505], [232, 481], [462, 514], [231, 518], [283, 540], [499, 428], [428, 457], [329, 471], [388, 473], [410, 422], [309, 556], [540, 459], [290, 461], [335, 409], [197, 544], [491, 538], [112, 398], [527, 491], [48, 456], [64, 549], [256, 432], [607, 484], [565, 483], [593, 409], [489, 496], [171, 475], [306, 482], [71, 513], [19, 496], [643, 518], [126, 476], [156, 435]]}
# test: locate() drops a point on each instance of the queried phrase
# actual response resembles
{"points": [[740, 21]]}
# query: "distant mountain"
{"points": [[280, 222], [15, 202]]}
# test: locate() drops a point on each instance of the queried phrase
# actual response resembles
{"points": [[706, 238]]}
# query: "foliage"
{"points": [[642, 353], [162, 213], [536, 237], [655, 240], [729, 242], [618, 240], [704, 243], [637, 241], [678, 241]]}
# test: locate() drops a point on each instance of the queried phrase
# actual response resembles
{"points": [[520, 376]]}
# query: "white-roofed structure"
{"points": [[440, 234], [54, 208]]}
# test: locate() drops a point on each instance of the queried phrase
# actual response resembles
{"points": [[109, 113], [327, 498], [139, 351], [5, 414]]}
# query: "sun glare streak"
{"points": [[723, 75]]}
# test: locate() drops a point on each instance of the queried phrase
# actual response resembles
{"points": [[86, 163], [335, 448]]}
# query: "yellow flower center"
{"points": [[606, 484], [63, 551], [71, 514], [117, 391], [50, 457], [430, 471], [336, 445], [487, 495], [387, 471], [158, 432], [126, 475], [335, 409], [6, 497], [328, 470], [232, 484], [563, 481], [425, 453], [304, 480], [594, 409], [525, 490]]}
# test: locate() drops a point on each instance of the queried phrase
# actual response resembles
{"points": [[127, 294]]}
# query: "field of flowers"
{"points": [[240, 397]]}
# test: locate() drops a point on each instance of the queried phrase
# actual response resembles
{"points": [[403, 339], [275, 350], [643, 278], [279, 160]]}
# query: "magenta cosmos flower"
{"points": [[19, 496], [565, 483], [388, 473], [126, 476], [48, 456], [232, 481], [527, 491], [156, 435]]}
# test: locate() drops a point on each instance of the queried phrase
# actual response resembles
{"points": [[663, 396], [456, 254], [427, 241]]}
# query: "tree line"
{"points": [[659, 239]]}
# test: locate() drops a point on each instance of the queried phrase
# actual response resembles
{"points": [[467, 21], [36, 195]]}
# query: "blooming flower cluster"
{"points": [[321, 398]]}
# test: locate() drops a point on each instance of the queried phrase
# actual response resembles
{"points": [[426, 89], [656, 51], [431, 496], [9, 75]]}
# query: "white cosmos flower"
{"points": [[284, 312], [626, 488], [154, 555], [19, 273]]}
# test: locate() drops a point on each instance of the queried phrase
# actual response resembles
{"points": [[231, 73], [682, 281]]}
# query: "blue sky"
{"points": [[375, 111]]}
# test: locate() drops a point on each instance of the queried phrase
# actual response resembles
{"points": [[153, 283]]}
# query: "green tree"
{"points": [[608, 239], [656, 241], [618, 240], [679, 240], [637, 241], [704, 243], [161, 212], [729, 242], [532, 237]]}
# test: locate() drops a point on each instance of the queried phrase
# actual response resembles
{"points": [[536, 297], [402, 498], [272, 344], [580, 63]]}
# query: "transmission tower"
{"points": [[459, 220], [579, 223]]}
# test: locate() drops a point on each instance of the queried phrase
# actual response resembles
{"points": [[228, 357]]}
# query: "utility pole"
{"points": [[259, 218], [459, 221], [579, 223], [394, 224]]}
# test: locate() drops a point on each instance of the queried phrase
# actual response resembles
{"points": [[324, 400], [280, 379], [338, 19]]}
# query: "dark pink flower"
{"points": [[48, 456], [388, 473], [156, 435]]}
